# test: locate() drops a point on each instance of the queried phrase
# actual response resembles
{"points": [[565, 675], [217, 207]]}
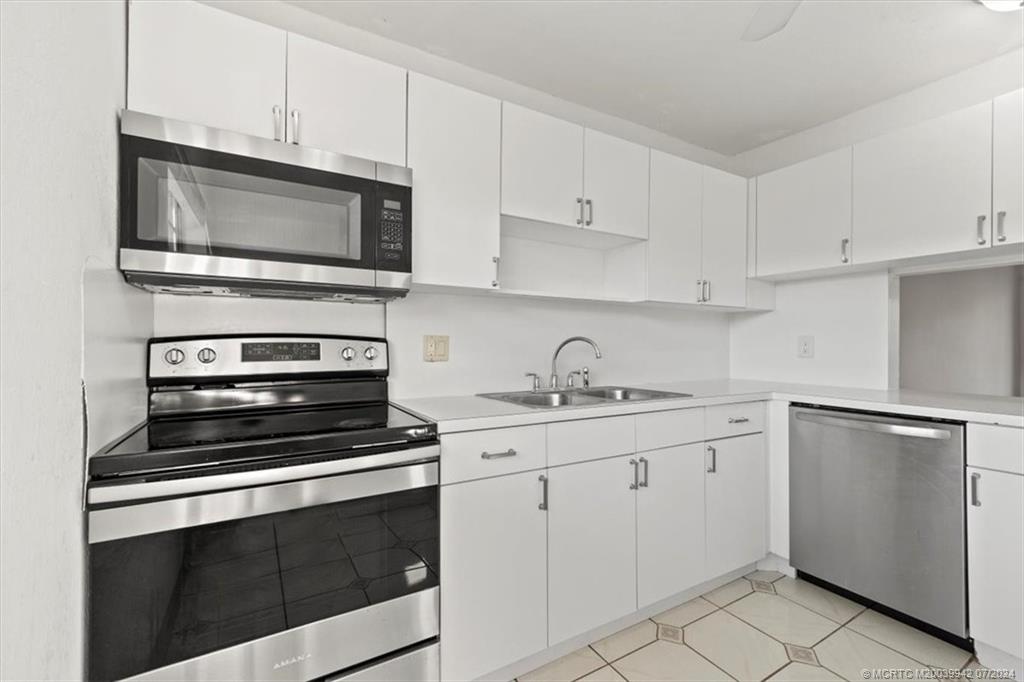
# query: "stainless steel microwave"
{"points": [[208, 211]]}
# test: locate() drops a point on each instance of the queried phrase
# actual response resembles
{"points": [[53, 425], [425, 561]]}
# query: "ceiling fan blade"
{"points": [[770, 18]]}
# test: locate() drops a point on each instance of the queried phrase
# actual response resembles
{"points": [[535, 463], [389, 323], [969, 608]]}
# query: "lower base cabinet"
{"points": [[591, 545], [670, 522], [494, 576], [734, 493]]}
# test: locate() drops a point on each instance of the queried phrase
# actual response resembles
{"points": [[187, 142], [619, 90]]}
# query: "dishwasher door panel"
{"points": [[877, 508]]}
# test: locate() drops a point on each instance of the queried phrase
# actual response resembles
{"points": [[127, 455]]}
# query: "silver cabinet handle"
{"points": [[713, 467], [636, 474], [700, 291], [981, 230], [707, 290], [295, 126], [590, 212], [496, 282], [975, 500], [498, 455], [738, 420], [277, 123], [647, 472], [543, 506], [1001, 226], [844, 257], [579, 211]]}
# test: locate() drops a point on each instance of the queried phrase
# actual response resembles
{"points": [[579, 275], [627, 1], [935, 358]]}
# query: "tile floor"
{"points": [[763, 626]]}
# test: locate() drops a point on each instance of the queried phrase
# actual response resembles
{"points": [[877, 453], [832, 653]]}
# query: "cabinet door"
{"points": [[995, 548], [670, 522], [724, 237], [346, 103], [673, 249], [591, 546], [616, 184], [734, 491], [455, 155], [803, 214], [541, 166], [494, 582], [194, 63], [921, 190], [1007, 163]]}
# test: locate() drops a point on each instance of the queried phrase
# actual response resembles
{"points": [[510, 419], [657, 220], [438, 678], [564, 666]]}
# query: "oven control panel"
{"points": [[256, 356]]}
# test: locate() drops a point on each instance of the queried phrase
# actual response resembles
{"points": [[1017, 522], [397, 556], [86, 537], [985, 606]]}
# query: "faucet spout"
{"points": [[554, 358]]}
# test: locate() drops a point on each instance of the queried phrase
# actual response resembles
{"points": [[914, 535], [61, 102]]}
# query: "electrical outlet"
{"points": [[435, 348], [805, 346]]}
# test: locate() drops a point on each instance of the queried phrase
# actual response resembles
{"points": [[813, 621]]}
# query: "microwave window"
{"points": [[200, 210]]}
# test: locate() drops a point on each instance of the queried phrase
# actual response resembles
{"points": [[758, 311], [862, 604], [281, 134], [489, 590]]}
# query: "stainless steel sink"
{"points": [[583, 396]]}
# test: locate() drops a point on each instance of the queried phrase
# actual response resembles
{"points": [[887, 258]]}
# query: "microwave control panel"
{"points": [[394, 205]]}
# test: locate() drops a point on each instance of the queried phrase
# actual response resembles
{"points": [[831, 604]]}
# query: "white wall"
{"points": [[61, 84], [495, 340], [849, 319]]}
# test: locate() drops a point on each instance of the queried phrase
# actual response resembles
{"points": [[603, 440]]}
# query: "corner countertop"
{"points": [[470, 413]]}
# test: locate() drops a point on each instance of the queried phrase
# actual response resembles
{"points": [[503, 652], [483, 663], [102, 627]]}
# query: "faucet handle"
{"points": [[536, 380], [586, 377], [568, 378]]}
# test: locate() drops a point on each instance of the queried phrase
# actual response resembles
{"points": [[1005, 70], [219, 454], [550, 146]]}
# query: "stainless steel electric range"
{"points": [[275, 518]]}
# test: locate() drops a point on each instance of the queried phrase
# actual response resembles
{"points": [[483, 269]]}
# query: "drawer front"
{"points": [[586, 439], [664, 429], [995, 447], [495, 452], [722, 421]]}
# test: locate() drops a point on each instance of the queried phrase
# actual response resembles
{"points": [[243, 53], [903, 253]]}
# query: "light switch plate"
{"points": [[805, 346], [435, 348]]}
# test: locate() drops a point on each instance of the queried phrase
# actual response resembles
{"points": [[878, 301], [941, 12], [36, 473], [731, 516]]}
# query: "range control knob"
{"points": [[347, 353], [174, 356], [370, 353], [206, 355]]}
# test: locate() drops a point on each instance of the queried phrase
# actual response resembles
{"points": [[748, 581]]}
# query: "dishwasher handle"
{"points": [[889, 428]]}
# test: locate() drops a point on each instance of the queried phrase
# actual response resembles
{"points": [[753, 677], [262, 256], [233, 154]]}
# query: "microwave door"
{"points": [[186, 213]]}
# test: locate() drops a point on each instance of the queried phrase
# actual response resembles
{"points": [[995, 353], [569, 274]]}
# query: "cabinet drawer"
{"points": [[995, 447], [579, 441], [479, 454], [722, 421], [665, 429]]}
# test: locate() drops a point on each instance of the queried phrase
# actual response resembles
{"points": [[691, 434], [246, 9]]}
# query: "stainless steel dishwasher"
{"points": [[877, 508]]}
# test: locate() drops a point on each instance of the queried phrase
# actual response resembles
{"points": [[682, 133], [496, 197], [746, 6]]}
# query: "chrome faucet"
{"points": [[554, 358]]}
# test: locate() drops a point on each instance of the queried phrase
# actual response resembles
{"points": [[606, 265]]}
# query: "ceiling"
{"points": [[680, 67]]}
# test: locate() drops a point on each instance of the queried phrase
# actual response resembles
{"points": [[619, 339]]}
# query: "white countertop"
{"points": [[470, 413]]}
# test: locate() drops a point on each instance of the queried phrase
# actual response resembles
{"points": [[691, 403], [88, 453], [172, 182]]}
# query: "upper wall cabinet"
{"points": [[556, 172], [925, 189], [454, 152], [1007, 165], [804, 214], [194, 63], [697, 251], [344, 102]]}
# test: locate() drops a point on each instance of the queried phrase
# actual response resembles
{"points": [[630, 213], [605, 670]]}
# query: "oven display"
{"points": [[280, 352]]}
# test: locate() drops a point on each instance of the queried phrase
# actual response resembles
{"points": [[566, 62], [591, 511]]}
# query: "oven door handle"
{"points": [[264, 497]]}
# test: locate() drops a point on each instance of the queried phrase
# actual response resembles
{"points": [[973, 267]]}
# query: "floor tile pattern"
{"points": [[764, 626]]}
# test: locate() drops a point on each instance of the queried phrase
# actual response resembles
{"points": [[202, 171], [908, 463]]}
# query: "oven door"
{"points": [[287, 581], [202, 202]]}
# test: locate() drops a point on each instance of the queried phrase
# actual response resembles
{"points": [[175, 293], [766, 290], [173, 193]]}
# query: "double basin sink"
{"points": [[600, 395]]}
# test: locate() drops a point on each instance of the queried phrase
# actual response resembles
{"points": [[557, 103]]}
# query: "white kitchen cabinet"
{"points": [[345, 102], [195, 63], [1008, 168], [724, 238], [804, 215], [995, 559], [494, 580], [591, 546], [541, 167], [670, 522], [734, 494], [455, 156], [615, 184], [674, 245], [926, 189]]}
